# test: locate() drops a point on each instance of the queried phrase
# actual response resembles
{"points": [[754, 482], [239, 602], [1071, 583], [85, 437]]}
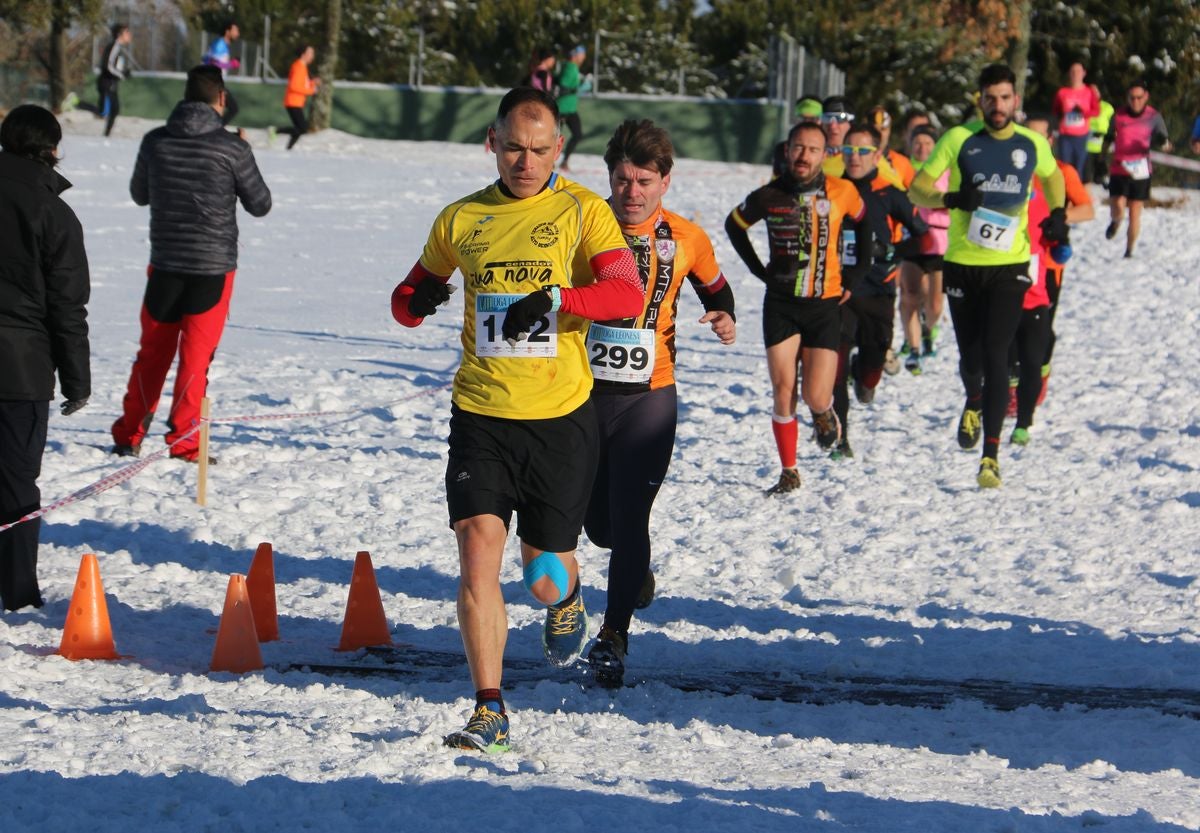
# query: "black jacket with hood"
{"points": [[192, 173], [44, 286]]}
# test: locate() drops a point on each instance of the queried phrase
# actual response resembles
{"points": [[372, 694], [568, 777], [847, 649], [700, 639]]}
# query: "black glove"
{"points": [[427, 296], [523, 314], [966, 198], [1100, 171], [72, 405], [1055, 228]]}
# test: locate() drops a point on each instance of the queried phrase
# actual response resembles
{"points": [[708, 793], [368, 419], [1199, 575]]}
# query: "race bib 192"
{"points": [[542, 341], [992, 230], [618, 354]]}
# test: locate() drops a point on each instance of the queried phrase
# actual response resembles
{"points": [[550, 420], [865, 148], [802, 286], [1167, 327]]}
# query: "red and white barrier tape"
{"points": [[128, 472], [102, 485], [1175, 161]]}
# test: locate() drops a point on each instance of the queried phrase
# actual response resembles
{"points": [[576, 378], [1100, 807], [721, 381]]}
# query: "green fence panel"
{"points": [[713, 129]]}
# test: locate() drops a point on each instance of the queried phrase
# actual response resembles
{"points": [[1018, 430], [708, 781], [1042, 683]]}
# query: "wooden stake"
{"points": [[202, 480]]}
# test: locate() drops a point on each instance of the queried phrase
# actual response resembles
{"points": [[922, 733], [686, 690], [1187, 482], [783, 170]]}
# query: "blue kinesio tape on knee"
{"points": [[548, 564]]}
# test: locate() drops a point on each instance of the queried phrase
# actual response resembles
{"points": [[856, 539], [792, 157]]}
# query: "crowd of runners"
{"points": [[564, 405]]}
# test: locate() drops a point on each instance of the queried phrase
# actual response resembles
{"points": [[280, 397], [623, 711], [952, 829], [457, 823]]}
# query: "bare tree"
{"points": [[322, 115]]}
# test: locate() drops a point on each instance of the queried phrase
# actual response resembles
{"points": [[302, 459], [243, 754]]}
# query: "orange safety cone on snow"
{"points": [[237, 642], [260, 583], [87, 633], [365, 623]]}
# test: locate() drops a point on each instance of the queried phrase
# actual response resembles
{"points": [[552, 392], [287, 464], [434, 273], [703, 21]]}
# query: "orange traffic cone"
{"points": [[87, 633], [237, 643], [365, 623], [260, 583]]}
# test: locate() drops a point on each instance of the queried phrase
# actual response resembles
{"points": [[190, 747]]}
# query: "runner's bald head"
{"points": [[526, 103]]}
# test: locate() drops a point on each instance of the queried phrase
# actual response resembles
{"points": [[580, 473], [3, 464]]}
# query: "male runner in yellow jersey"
{"points": [[539, 255]]}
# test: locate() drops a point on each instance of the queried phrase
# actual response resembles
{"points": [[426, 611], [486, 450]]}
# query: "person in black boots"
{"points": [[44, 289]]}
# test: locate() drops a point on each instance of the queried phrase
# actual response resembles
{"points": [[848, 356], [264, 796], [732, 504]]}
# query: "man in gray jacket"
{"points": [[192, 173]]}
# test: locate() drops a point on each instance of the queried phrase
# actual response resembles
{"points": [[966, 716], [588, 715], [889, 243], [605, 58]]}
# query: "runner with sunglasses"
{"points": [[868, 316], [836, 117]]}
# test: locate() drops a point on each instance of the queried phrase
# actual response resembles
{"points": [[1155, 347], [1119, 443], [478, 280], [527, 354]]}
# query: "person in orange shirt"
{"points": [[633, 364], [805, 286], [1080, 209], [299, 88]]}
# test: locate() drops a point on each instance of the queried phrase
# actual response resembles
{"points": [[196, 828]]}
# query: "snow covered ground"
{"points": [[1082, 570]]}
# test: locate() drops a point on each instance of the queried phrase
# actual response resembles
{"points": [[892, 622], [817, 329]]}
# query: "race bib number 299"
{"points": [[621, 355], [542, 341]]}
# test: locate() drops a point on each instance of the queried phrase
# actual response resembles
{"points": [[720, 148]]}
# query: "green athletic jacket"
{"points": [[568, 88]]}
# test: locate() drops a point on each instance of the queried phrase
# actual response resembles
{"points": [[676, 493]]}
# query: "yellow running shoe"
{"points": [[989, 474]]}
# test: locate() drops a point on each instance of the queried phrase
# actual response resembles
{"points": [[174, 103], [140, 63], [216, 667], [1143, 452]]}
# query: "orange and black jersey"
{"points": [[804, 224], [888, 210], [667, 249]]}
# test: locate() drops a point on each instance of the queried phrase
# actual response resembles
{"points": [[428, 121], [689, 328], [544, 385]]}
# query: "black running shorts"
{"points": [[817, 322], [1128, 187], [926, 263], [541, 468]]}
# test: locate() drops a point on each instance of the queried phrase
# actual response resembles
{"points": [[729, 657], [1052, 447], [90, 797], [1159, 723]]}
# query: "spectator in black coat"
{"points": [[44, 289], [192, 173]]}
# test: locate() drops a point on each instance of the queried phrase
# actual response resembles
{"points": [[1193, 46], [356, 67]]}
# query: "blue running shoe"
{"points": [[566, 630], [486, 731]]}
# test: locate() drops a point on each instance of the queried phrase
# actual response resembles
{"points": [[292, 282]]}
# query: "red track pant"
{"points": [[185, 314]]}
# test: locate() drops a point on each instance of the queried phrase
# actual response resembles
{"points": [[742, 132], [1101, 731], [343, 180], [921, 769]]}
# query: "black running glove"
{"points": [[1055, 228], [966, 198], [72, 405], [427, 296], [523, 314]]}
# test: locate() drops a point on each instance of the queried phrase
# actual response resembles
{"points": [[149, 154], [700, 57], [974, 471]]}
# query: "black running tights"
{"points": [[637, 438], [1032, 337], [985, 305]]}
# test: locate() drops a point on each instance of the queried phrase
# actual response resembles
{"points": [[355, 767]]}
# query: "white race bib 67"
{"points": [[992, 230], [490, 308]]}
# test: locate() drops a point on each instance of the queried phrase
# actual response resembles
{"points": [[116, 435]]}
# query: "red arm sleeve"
{"points": [[405, 288], [617, 292]]}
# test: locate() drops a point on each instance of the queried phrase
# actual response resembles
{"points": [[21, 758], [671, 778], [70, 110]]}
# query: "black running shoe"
{"points": [[789, 481], [646, 595], [828, 428], [126, 450], [1111, 231], [970, 426], [607, 658]]}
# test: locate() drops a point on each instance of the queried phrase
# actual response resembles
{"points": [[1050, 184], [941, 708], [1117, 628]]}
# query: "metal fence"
{"points": [[794, 73]]}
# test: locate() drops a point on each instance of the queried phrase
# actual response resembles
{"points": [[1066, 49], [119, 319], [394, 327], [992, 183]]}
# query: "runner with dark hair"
{"points": [[805, 285], [633, 362], [992, 164]]}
